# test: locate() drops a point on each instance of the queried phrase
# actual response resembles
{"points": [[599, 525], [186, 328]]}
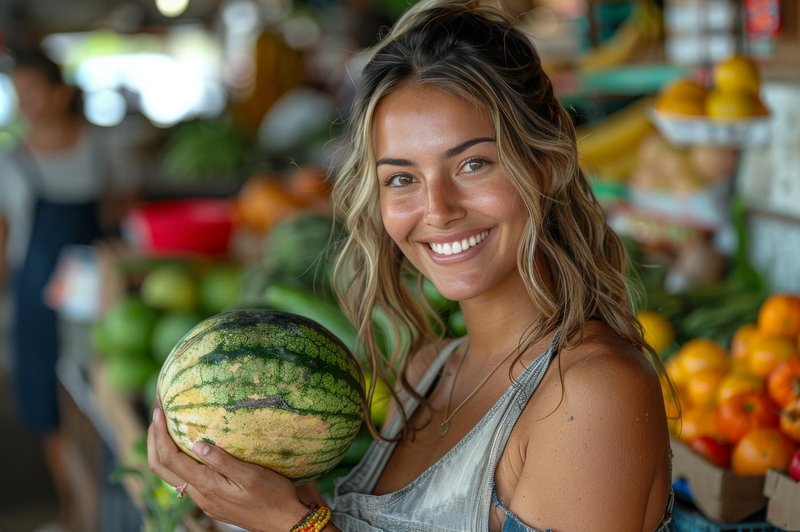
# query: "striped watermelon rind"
{"points": [[271, 388]]}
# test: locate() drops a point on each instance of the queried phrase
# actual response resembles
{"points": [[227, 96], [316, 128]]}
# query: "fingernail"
{"points": [[156, 414], [201, 448]]}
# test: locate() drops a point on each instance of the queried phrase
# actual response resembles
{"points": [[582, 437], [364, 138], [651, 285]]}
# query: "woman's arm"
{"points": [[592, 464]]}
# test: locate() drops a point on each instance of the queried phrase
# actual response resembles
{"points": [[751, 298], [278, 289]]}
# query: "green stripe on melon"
{"points": [[269, 387]]}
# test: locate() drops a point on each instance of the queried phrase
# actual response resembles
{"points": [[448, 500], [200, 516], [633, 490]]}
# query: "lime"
{"points": [[129, 374], [168, 330], [127, 327], [219, 288], [169, 287]]}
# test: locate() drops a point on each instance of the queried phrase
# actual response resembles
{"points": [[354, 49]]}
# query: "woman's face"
{"points": [[38, 99], [445, 199]]}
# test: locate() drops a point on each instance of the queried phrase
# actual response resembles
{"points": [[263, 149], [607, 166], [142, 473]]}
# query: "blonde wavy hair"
{"points": [[572, 263]]}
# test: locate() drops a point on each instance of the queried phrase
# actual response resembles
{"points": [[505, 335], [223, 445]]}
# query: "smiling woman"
{"points": [[463, 171], [445, 187]]}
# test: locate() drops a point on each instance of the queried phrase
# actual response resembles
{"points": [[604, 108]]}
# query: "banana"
{"points": [[617, 169], [626, 41], [615, 136], [642, 28]]}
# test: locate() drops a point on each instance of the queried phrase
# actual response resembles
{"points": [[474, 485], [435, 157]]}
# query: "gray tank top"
{"points": [[454, 494]]}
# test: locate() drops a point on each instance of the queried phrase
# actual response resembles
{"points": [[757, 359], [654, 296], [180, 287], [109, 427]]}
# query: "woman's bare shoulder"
{"points": [[598, 432]]}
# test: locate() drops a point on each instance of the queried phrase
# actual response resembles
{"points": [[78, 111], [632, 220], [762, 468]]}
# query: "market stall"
{"points": [[687, 126]]}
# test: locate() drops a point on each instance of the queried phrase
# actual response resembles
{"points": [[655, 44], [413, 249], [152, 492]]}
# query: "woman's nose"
{"points": [[443, 203]]}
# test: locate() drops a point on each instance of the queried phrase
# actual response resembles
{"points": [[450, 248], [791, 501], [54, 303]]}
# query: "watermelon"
{"points": [[271, 388]]}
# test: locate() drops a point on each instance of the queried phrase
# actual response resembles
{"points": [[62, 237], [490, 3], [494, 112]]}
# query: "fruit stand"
{"points": [[689, 139]]}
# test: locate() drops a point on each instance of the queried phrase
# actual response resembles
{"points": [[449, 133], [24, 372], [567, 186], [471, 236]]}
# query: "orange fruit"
{"points": [[697, 421], [736, 382], [682, 97], [658, 331], [699, 354], [730, 106], [684, 88], [737, 74], [675, 371], [762, 449], [790, 420], [766, 352], [701, 388], [740, 344], [262, 201], [779, 314]]}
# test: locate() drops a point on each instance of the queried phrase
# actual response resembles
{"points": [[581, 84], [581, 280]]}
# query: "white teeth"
{"points": [[458, 246]]}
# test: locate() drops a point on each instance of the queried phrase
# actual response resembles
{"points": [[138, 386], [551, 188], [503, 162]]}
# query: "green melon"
{"points": [[271, 388]]}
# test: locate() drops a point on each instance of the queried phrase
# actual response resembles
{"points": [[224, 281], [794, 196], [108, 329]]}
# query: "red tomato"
{"points": [[744, 412], [794, 467], [713, 450]]}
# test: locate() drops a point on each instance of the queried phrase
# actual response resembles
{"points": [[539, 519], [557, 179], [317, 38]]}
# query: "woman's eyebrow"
{"points": [[459, 148], [450, 152]]}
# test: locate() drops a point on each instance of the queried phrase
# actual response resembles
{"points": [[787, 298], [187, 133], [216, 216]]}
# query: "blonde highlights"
{"points": [[572, 263]]}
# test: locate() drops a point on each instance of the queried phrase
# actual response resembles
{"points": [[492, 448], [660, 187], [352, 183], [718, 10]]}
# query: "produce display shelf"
{"points": [[117, 422], [681, 130]]}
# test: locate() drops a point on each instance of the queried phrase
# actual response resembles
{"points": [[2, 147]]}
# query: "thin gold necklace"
{"points": [[444, 426]]}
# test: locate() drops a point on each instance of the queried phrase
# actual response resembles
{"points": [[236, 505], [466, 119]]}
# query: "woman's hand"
{"points": [[224, 487]]}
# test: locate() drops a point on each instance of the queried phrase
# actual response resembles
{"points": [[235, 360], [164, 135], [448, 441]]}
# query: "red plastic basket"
{"points": [[193, 225]]}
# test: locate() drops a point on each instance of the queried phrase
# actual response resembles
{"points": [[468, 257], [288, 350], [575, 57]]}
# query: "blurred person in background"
{"points": [[56, 185]]}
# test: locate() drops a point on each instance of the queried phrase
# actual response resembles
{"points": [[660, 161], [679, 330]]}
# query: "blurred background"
{"points": [[221, 126]]}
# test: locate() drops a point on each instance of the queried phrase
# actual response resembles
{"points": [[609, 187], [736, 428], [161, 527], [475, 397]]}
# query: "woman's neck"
{"points": [[54, 135], [496, 322]]}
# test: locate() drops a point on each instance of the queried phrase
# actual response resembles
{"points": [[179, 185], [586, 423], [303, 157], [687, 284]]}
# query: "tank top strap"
{"points": [[365, 475], [423, 386], [531, 376]]}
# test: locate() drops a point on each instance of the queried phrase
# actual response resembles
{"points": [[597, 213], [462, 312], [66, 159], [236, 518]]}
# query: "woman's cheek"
{"points": [[400, 215]]}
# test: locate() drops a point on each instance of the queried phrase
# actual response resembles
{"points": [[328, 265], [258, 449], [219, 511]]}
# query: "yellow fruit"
{"points": [[701, 388], [697, 421], [730, 106], [740, 345], [700, 354], [737, 74], [380, 401], [684, 97], [736, 382], [674, 370], [766, 352], [684, 88], [658, 331]]}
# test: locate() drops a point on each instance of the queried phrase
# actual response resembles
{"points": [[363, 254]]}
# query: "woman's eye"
{"points": [[473, 165], [399, 180]]}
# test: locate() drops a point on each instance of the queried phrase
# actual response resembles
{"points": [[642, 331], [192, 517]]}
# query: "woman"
{"points": [[52, 183], [547, 415]]}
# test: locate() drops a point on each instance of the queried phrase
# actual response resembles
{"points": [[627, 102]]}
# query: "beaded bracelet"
{"points": [[315, 520]]}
